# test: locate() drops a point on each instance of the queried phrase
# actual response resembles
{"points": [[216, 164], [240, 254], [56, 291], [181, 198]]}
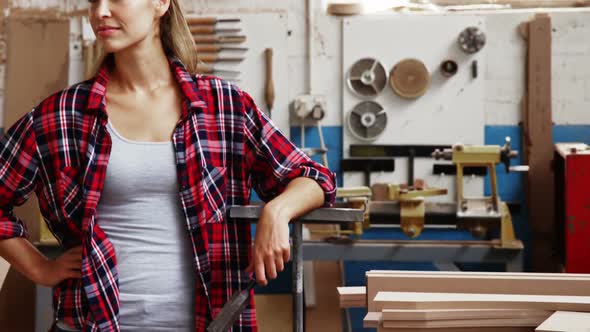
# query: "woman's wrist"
{"points": [[40, 270], [24, 258], [277, 211]]}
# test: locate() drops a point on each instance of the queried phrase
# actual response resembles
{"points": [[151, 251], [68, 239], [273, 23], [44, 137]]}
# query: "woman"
{"points": [[147, 243]]}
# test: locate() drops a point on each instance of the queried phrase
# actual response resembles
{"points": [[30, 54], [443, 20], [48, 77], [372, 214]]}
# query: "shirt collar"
{"points": [[194, 98]]}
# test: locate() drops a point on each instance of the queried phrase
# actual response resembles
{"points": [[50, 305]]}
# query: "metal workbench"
{"points": [[444, 254]]}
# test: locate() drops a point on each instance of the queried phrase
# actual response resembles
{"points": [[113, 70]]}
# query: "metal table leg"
{"points": [[516, 264], [298, 308]]}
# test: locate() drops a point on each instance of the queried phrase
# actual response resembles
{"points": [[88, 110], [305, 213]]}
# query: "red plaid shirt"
{"points": [[224, 145]]}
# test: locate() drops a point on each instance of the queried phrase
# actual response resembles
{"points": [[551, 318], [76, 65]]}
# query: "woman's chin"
{"points": [[110, 47]]}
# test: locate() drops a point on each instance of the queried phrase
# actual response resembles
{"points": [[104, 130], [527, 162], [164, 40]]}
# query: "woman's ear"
{"points": [[161, 7]]}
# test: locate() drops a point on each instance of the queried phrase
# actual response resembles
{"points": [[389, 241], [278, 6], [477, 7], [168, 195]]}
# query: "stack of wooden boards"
{"points": [[435, 301]]}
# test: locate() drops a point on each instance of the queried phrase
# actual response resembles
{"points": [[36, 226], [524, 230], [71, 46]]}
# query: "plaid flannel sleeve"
{"points": [[277, 160], [18, 174]]}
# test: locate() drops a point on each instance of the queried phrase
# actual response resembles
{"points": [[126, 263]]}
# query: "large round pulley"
{"points": [[367, 120], [409, 78], [367, 77]]}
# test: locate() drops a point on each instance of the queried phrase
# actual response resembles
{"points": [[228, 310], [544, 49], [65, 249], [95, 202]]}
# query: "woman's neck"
{"points": [[140, 71]]}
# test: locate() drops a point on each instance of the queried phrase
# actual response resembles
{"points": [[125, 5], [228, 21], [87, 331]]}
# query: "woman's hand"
{"points": [[271, 245], [53, 271]]}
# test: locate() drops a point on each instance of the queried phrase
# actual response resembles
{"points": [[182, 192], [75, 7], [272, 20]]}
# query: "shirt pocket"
{"points": [[214, 182], [70, 192]]}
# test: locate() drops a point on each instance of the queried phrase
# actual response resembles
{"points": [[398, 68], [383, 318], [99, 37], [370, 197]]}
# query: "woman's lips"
{"points": [[107, 31]]}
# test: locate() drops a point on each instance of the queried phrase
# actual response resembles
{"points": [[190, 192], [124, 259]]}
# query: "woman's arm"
{"points": [[288, 180], [18, 179], [271, 245], [28, 261]]}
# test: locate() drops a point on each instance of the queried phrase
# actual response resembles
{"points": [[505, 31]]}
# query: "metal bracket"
{"points": [[412, 207]]}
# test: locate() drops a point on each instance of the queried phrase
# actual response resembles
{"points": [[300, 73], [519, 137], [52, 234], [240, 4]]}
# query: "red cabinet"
{"points": [[572, 180]]}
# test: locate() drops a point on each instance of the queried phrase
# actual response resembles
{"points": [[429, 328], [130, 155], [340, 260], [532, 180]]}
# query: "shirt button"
{"points": [[183, 188]]}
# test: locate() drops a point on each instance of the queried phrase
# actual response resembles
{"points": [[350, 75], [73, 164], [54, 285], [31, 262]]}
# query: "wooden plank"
{"points": [[352, 297], [419, 300], [352, 292], [372, 320], [459, 329], [441, 283], [516, 3], [448, 314], [461, 275], [532, 321], [538, 144], [566, 321], [483, 273]]}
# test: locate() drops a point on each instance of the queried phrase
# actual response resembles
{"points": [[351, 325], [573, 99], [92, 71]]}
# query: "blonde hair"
{"points": [[176, 38]]}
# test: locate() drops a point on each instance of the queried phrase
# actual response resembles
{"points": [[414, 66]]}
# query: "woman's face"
{"points": [[119, 24]]}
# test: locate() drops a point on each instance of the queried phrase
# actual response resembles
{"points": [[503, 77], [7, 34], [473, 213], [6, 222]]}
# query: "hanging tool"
{"points": [[206, 69], [210, 20], [219, 39], [269, 92], [231, 310], [219, 48], [211, 58], [210, 30]]}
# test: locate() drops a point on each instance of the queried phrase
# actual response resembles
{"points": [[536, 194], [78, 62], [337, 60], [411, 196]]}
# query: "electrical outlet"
{"points": [[310, 106]]}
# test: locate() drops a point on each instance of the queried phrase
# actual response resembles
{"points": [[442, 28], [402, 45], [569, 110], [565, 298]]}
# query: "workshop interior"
{"points": [[458, 132]]}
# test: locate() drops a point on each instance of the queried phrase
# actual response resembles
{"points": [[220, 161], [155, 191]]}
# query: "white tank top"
{"points": [[141, 213]]}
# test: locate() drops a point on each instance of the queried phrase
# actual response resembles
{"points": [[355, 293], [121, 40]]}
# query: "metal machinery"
{"points": [[407, 207], [481, 213]]}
